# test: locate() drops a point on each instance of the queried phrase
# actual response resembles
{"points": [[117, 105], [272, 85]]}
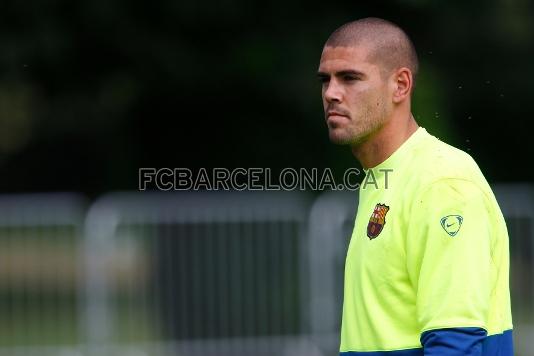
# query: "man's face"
{"points": [[356, 98]]}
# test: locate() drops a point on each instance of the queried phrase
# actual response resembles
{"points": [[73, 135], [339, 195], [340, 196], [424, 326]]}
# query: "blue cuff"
{"points": [[453, 342]]}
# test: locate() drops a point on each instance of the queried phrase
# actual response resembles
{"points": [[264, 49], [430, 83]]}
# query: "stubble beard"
{"points": [[369, 122]]}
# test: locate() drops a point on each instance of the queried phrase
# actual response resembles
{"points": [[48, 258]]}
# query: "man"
{"points": [[427, 266]]}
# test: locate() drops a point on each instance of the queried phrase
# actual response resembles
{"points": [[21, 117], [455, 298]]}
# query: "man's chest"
{"points": [[377, 250]]}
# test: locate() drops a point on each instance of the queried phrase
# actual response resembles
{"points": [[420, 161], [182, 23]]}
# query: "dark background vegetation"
{"points": [[92, 90]]}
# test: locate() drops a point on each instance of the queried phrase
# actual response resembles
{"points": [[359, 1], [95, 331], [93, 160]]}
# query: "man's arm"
{"points": [[449, 262]]}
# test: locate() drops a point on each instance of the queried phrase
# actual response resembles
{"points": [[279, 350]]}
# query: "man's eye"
{"points": [[324, 80], [349, 78]]}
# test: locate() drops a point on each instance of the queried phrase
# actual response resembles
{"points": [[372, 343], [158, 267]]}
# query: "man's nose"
{"points": [[333, 92]]}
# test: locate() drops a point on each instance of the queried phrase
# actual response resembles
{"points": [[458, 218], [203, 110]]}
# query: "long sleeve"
{"points": [[449, 263]]}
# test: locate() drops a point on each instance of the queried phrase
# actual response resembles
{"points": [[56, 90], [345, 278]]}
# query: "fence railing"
{"points": [[330, 228], [215, 273], [197, 273]]}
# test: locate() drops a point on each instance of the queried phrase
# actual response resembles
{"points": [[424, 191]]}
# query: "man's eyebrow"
{"points": [[341, 73], [350, 72]]}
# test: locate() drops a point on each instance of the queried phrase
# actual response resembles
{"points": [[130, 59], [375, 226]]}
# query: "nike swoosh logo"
{"points": [[449, 225]]}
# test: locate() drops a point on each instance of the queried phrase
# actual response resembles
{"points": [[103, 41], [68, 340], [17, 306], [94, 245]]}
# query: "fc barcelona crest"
{"points": [[377, 220]]}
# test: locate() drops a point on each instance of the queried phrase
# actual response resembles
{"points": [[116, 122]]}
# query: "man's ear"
{"points": [[403, 83]]}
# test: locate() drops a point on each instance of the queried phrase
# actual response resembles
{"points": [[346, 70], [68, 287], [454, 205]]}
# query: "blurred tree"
{"points": [[90, 91]]}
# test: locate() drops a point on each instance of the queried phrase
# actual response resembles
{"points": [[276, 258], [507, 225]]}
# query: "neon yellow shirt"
{"points": [[429, 251]]}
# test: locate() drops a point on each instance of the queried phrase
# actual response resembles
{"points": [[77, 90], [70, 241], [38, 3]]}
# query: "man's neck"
{"points": [[383, 143]]}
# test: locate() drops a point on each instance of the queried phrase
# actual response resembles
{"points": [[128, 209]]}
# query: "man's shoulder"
{"points": [[439, 160], [445, 174]]}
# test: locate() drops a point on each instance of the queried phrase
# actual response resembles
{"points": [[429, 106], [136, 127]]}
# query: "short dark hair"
{"points": [[389, 44]]}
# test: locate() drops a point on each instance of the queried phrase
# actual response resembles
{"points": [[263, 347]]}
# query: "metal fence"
{"points": [[218, 274], [40, 236], [197, 273], [330, 228], [517, 204]]}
